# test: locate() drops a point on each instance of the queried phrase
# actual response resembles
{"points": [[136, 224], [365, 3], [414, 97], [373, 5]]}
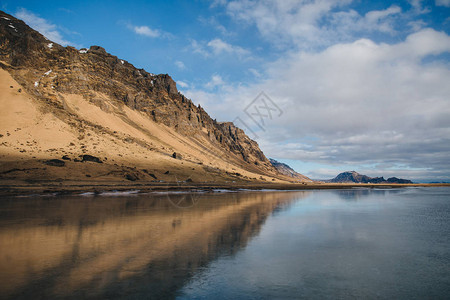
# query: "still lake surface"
{"points": [[338, 244]]}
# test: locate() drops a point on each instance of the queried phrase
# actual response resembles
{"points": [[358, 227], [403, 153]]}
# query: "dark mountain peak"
{"points": [[398, 180], [353, 176]]}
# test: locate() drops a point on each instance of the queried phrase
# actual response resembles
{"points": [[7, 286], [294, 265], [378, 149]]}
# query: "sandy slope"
{"points": [[129, 144]]}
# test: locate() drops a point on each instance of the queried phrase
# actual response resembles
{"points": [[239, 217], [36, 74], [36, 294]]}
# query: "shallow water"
{"points": [[360, 243]]}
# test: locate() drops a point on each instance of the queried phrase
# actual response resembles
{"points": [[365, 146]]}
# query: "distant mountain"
{"points": [[398, 180], [352, 176], [288, 171]]}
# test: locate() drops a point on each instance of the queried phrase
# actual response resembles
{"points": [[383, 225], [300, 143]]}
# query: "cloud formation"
{"points": [[317, 24], [219, 47], [145, 31], [180, 65], [47, 29], [182, 84], [358, 103], [216, 47], [445, 3], [216, 81]]}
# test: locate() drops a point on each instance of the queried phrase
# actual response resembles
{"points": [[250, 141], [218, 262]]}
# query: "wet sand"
{"points": [[16, 188]]}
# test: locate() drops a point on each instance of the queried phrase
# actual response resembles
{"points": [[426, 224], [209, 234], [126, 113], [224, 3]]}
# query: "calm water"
{"points": [[388, 244]]}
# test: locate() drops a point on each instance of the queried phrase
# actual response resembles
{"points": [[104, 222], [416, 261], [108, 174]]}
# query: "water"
{"points": [[388, 244]]}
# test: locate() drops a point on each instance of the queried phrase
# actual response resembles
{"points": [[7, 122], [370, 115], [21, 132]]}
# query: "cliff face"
{"points": [[52, 74]]}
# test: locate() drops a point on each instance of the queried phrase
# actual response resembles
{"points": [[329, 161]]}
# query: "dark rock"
{"points": [[55, 163], [131, 177], [177, 155], [189, 180], [97, 50], [87, 157], [65, 157], [167, 172], [150, 174], [168, 84]]}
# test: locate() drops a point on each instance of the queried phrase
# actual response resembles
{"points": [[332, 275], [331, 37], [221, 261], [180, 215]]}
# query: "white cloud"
{"points": [[255, 72], [418, 6], [145, 31], [218, 2], [182, 84], [49, 30], [284, 21], [212, 21], [375, 16], [346, 99], [417, 25], [346, 24], [198, 48], [180, 65], [219, 47], [378, 19], [216, 81], [319, 23], [445, 3], [354, 103]]}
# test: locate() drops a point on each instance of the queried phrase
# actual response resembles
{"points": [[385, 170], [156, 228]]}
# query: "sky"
{"points": [[325, 86]]}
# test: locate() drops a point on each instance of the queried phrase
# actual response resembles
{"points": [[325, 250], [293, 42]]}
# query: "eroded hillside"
{"points": [[84, 114]]}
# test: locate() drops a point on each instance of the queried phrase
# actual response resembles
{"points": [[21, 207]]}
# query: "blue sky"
{"points": [[360, 85]]}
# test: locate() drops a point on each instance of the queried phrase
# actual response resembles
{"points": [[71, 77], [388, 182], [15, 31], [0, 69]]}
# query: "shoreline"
{"points": [[97, 188]]}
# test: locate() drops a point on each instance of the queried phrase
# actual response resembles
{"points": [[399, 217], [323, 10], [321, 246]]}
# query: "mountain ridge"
{"points": [[89, 92], [288, 171], [353, 176]]}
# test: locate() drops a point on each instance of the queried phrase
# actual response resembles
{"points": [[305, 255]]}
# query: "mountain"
{"points": [[398, 180], [288, 171], [352, 176], [69, 114]]}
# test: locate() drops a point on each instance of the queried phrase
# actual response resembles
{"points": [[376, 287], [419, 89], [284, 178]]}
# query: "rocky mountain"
{"points": [[288, 171], [398, 180], [352, 176], [60, 105]]}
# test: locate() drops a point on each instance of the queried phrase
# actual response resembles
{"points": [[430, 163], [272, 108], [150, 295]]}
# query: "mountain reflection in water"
{"points": [[140, 246]]}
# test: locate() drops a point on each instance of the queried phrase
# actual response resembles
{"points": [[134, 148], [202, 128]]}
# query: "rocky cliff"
{"points": [[70, 84]]}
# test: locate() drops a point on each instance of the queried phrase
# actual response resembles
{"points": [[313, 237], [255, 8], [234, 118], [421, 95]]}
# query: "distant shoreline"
{"points": [[79, 187]]}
